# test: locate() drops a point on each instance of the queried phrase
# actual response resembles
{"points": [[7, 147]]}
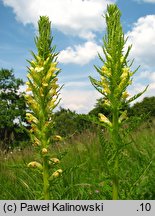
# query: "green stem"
{"points": [[115, 180], [45, 180], [115, 139]]}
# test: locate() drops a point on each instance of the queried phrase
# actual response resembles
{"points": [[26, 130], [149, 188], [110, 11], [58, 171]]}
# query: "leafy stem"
{"points": [[115, 77]]}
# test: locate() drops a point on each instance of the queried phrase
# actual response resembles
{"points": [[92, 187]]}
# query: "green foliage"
{"points": [[145, 107], [100, 108], [85, 172], [68, 122], [65, 122], [12, 109]]}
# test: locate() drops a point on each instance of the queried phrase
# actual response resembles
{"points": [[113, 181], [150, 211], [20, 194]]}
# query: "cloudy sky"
{"points": [[78, 28]]}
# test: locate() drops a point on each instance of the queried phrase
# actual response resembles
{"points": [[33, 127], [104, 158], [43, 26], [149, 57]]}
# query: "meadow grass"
{"points": [[86, 170]]}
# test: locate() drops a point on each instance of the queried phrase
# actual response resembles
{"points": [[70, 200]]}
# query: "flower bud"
{"points": [[38, 58], [28, 89], [57, 138], [38, 69], [54, 160], [104, 119], [125, 73], [31, 118], [125, 95], [29, 76], [36, 142], [123, 116], [107, 103], [45, 84], [35, 164], [44, 151], [57, 173], [106, 71]]}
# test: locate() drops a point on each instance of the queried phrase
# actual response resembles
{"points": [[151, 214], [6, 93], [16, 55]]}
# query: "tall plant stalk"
{"points": [[115, 77], [42, 98]]}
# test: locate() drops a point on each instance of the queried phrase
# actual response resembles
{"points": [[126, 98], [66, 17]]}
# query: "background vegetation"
{"points": [[84, 152]]}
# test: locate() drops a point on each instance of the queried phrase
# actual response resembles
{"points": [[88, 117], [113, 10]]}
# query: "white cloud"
{"points": [[75, 17], [142, 37], [140, 83], [77, 84], [81, 54], [80, 101]]}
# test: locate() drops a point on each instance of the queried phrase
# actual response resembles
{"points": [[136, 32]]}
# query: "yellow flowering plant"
{"points": [[42, 97], [115, 77]]}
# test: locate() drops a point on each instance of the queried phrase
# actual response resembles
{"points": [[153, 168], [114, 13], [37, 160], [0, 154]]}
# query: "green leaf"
{"points": [[137, 95]]}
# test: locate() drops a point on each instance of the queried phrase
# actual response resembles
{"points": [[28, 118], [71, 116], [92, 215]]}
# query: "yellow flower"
{"points": [[36, 142], [125, 95], [104, 119], [107, 90], [106, 71], [49, 74], [33, 63], [28, 89], [54, 160], [29, 76], [27, 83], [33, 128], [123, 116], [41, 92], [38, 69], [105, 85], [45, 84], [44, 151], [57, 138], [52, 69], [35, 164], [39, 59], [57, 173], [107, 103], [31, 118], [52, 92], [125, 73], [54, 85], [51, 103], [27, 97]]}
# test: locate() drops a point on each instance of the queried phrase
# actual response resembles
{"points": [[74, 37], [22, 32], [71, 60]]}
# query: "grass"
{"points": [[85, 160]]}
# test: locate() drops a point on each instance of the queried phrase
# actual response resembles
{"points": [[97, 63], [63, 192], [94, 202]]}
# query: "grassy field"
{"points": [[85, 160]]}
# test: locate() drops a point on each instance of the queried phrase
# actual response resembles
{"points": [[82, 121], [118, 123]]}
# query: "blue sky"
{"points": [[78, 28]]}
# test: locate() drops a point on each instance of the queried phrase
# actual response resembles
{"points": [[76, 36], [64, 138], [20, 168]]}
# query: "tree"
{"points": [[12, 108], [99, 108], [65, 122], [145, 107], [68, 122]]}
